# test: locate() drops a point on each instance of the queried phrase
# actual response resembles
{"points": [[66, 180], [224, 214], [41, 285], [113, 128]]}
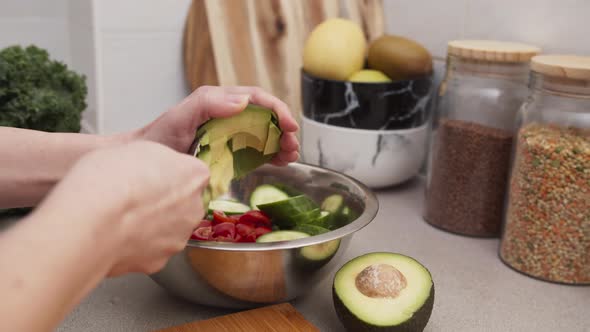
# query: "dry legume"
{"points": [[547, 231], [469, 176]]}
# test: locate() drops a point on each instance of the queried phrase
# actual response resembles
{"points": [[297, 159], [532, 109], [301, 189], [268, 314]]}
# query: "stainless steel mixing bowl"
{"points": [[246, 275]]}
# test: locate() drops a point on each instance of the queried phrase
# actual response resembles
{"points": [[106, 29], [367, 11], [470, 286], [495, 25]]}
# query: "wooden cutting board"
{"points": [[276, 318], [260, 42]]}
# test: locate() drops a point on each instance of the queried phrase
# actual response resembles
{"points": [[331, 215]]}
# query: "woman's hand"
{"points": [[144, 194], [127, 208], [177, 127]]}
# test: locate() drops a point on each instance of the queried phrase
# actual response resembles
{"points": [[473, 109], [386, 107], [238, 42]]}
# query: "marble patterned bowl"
{"points": [[374, 106], [378, 158]]}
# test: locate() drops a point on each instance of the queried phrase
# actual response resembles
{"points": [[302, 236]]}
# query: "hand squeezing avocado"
{"points": [[236, 145]]}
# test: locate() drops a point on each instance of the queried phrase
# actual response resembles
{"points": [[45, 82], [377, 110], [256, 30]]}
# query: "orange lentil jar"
{"points": [[548, 217], [546, 230]]}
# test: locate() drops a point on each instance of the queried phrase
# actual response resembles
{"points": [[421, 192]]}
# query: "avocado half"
{"points": [[236, 145], [383, 292]]}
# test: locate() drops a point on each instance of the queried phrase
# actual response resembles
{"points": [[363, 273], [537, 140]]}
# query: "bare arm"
{"points": [[48, 275], [32, 162], [113, 213]]}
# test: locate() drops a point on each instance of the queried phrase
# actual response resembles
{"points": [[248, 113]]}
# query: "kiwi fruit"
{"points": [[399, 58]]}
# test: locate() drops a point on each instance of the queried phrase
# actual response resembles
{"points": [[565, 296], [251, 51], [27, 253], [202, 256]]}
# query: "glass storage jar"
{"points": [[546, 231], [472, 131]]}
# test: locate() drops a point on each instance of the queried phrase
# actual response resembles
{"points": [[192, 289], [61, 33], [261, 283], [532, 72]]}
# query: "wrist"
{"points": [[93, 233], [118, 139]]}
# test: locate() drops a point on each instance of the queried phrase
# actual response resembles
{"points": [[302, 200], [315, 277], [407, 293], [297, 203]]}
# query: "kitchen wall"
{"points": [[555, 26], [131, 50], [42, 22]]}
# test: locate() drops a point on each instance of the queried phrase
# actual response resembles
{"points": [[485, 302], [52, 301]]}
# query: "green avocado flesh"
{"points": [[408, 310], [234, 146]]}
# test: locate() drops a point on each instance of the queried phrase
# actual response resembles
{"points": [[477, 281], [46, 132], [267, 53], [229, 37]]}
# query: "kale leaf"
{"points": [[39, 93]]}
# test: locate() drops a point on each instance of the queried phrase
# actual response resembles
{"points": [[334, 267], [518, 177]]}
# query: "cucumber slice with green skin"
{"points": [[284, 213], [311, 229], [228, 207], [320, 253], [307, 217], [288, 189], [278, 236], [311, 258], [333, 204], [266, 194], [326, 220]]}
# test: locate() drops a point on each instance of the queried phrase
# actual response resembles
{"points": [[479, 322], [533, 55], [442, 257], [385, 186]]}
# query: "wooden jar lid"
{"points": [[492, 50], [563, 66]]}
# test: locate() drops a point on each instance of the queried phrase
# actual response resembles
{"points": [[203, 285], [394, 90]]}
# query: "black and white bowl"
{"points": [[374, 132], [373, 106]]}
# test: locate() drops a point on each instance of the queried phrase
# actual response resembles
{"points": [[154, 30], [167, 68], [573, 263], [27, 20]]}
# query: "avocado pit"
{"points": [[380, 281]]}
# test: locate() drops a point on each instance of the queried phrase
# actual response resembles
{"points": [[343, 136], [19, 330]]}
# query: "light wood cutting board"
{"points": [[260, 42], [276, 318]]}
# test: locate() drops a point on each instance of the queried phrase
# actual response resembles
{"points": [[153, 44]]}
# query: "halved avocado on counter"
{"points": [[383, 291], [234, 146]]}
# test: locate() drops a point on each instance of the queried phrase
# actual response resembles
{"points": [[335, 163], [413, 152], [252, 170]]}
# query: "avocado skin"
{"points": [[353, 324]]}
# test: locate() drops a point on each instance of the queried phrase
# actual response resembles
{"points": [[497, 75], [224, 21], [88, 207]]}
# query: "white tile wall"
{"points": [[140, 60], [33, 8], [83, 57], [142, 15], [48, 33], [81, 13], [431, 23], [142, 77], [556, 26], [39, 22]]}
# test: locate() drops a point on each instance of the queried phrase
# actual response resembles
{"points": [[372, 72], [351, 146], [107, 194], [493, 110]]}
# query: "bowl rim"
{"points": [[368, 215], [428, 76]]}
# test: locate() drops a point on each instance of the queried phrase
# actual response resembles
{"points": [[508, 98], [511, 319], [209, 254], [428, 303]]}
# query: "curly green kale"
{"points": [[39, 93]]}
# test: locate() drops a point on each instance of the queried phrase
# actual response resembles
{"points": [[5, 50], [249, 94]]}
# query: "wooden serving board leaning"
{"points": [[260, 42]]}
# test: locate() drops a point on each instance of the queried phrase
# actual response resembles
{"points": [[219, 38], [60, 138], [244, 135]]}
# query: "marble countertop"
{"points": [[474, 290]]}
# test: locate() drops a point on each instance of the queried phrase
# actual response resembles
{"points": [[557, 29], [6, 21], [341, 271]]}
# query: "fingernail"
{"points": [[238, 99]]}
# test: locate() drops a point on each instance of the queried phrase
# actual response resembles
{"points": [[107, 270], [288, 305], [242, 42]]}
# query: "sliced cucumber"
{"points": [[278, 236], [286, 213], [333, 204], [320, 252], [307, 217], [228, 207], [311, 229], [325, 220], [266, 194], [349, 215], [346, 213], [288, 189]]}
